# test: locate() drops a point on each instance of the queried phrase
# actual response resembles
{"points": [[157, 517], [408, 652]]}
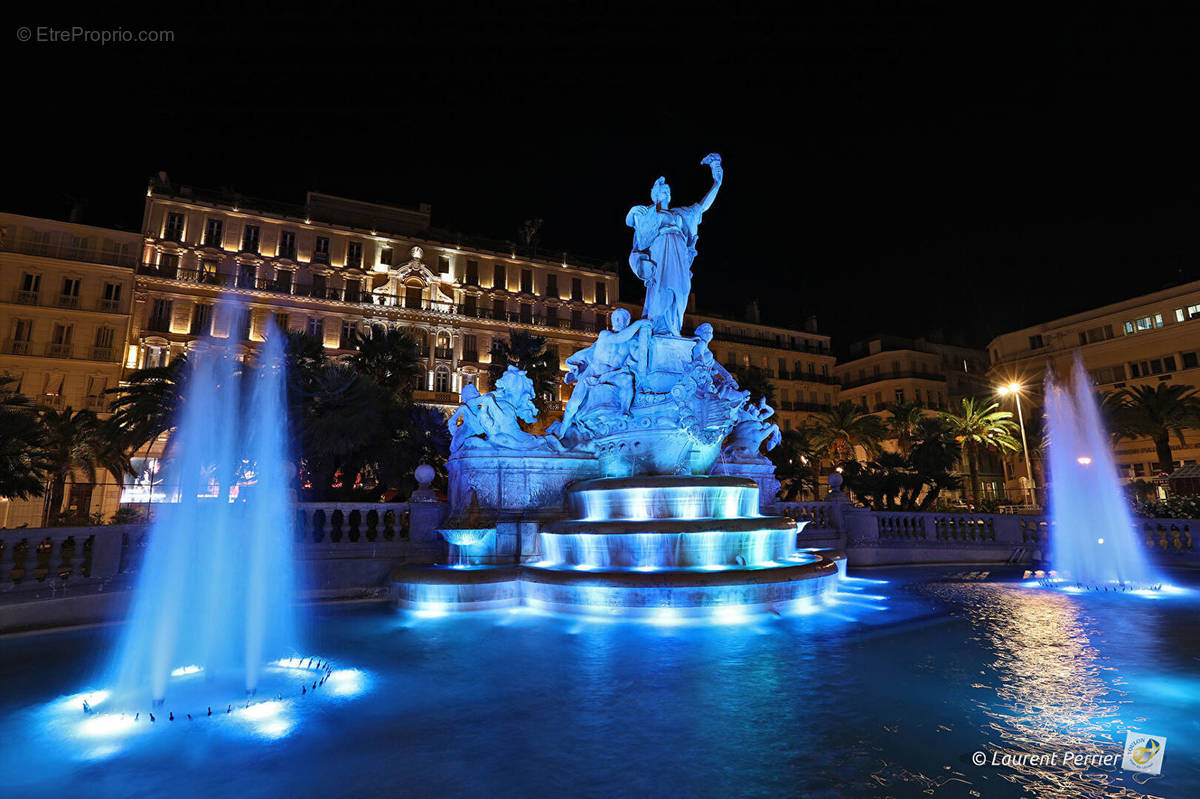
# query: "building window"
{"points": [[321, 250], [471, 305], [470, 348], [472, 272], [1168, 363], [1036, 342], [69, 298], [348, 330], [320, 286], [246, 275], [443, 264], [160, 316], [499, 277], [899, 396], [576, 319], [526, 281], [499, 310], [103, 348], [441, 378], [202, 319], [526, 313], [352, 290], [31, 284], [283, 281], [212, 232], [552, 286], [168, 265], [412, 296], [552, 315], [316, 327], [281, 322], [287, 244], [250, 239], [386, 254], [576, 288], [111, 301], [1189, 360], [601, 292], [601, 321], [354, 255], [208, 272], [174, 227]]}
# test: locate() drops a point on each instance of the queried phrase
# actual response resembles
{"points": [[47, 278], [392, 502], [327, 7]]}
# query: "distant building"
{"points": [[887, 369], [65, 293], [1144, 340], [222, 265]]}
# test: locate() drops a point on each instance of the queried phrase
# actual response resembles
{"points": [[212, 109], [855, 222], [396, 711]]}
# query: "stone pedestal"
{"points": [[516, 483], [761, 472]]}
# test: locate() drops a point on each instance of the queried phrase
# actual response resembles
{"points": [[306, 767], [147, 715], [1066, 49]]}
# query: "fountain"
{"points": [[646, 499], [212, 622], [1094, 544]]}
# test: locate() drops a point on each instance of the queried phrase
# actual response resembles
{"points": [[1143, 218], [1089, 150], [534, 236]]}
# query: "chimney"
{"points": [[752, 313]]}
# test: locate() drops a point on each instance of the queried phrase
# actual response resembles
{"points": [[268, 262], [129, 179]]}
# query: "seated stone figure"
{"points": [[723, 383], [604, 373], [750, 433], [492, 420]]}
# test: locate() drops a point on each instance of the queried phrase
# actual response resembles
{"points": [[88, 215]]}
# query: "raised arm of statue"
{"points": [[713, 161]]}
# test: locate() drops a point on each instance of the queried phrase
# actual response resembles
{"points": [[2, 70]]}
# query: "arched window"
{"points": [[441, 378], [412, 294]]}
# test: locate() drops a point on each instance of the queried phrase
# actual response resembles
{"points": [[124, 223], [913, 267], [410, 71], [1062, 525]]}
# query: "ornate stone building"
{"points": [[221, 264], [65, 293]]}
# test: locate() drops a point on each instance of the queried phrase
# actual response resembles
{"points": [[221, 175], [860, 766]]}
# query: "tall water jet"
{"points": [[215, 589], [1094, 544]]}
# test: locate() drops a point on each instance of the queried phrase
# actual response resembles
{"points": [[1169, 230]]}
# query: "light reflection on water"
{"points": [[887, 693]]}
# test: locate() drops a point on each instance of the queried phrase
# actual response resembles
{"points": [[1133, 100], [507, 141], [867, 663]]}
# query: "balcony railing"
{"points": [[22, 297], [102, 353], [445, 353], [470, 356], [369, 298], [97, 404], [58, 350], [63, 252], [158, 324], [441, 397], [68, 301], [110, 306], [894, 376], [16, 346]]}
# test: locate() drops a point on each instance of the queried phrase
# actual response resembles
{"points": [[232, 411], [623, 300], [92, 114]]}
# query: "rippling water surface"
{"points": [[887, 693]]}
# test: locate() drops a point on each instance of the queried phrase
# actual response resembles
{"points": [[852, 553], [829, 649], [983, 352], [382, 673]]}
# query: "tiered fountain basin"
{"points": [[645, 546]]}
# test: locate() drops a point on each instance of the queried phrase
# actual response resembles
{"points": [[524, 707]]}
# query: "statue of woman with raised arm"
{"points": [[664, 245]]}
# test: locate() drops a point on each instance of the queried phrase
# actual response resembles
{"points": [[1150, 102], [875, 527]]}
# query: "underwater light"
{"points": [[262, 710], [185, 670], [346, 682], [1083, 460], [108, 724]]}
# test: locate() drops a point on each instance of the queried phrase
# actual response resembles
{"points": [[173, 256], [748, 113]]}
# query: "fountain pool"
{"points": [[889, 690]]}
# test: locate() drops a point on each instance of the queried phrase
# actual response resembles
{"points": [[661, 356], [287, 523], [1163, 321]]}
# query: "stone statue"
{"points": [[750, 433], [664, 245], [604, 373], [724, 384], [493, 419]]}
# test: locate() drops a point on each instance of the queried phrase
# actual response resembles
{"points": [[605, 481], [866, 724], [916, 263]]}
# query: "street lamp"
{"points": [[1015, 390]]}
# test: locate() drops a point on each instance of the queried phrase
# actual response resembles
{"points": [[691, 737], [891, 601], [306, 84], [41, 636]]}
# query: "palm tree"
{"points": [[796, 464], [1155, 412], [146, 405], [979, 428], [530, 354], [80, 441], [340, 423], [390, 359], [903, 423], [757, 382], [22, 457], [845, 428]]}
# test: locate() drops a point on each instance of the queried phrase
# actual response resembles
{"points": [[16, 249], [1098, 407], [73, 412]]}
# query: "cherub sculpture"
{"points": [[751, 432]]}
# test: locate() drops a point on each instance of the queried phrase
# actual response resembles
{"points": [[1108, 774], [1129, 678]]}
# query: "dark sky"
{"points": [[901, 169]]}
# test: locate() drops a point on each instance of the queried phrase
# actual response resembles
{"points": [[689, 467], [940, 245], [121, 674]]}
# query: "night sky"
{"points": [[891, 170]]}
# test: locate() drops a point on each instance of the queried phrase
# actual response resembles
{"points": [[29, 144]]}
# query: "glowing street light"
{"points": [[1014, 389]]}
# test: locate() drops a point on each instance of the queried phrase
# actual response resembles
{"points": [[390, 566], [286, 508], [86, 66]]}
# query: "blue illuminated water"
{"points": [[215, 588], [886, 692], [1093, 540]]}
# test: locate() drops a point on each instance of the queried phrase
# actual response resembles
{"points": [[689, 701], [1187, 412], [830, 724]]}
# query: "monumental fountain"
{"points": [[646, 498], [1093, 541]]}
